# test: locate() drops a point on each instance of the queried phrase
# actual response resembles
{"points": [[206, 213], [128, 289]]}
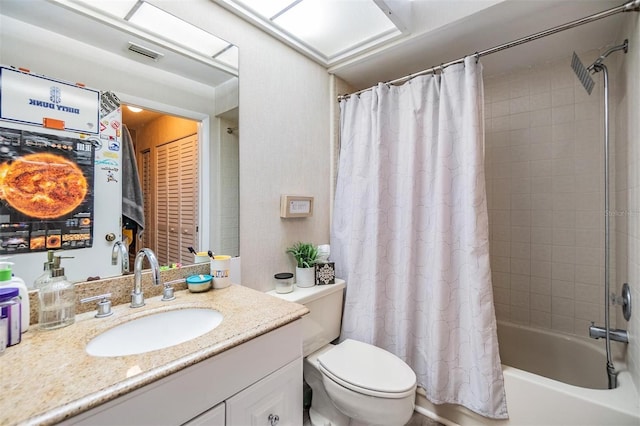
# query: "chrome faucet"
{"points": [[120, 247], [596, 332], [137, 297]]}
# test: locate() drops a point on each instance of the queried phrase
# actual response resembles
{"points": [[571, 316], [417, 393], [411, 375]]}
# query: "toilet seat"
{"points": [[368, 370]]}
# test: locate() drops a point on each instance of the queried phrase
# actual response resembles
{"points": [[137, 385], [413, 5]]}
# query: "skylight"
{"points": [[327, 29]]}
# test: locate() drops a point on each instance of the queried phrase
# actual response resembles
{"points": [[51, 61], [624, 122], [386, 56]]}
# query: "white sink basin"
{"points": [[154, 332]]}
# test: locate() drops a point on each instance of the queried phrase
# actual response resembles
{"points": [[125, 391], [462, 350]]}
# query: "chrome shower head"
{"points": [[583, 73]]}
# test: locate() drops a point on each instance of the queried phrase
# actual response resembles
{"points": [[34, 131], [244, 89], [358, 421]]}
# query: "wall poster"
{"points": [[46, 191]]}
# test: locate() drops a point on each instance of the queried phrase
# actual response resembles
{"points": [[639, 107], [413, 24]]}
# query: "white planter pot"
{"points": [[305, 277]]}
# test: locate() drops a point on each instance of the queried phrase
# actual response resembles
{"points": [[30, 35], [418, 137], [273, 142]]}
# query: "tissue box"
{"points": [[325, 273]]}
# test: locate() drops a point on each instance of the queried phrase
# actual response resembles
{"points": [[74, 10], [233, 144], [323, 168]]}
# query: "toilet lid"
{"points": [[367, 369]]}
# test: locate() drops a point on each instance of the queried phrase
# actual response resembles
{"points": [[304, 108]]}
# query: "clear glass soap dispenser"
{"points": [[45, 277], [57, 299]]}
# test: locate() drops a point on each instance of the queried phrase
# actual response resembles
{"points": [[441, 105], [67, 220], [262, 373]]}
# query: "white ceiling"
{"points": [[439, 31]]}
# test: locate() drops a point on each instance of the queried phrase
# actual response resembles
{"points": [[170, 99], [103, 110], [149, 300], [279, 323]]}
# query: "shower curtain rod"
{"points": [[631, 6]]}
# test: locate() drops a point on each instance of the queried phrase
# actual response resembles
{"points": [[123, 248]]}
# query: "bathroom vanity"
{"points": [[247, 370]]}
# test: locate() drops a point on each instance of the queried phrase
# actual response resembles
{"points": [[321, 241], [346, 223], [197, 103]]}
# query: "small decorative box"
{"points": [[325, 273]]}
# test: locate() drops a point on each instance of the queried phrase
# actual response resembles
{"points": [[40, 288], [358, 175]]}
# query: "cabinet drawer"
{"points": [[275, 400]]}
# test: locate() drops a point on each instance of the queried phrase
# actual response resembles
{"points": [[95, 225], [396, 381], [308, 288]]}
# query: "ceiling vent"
{"points": [[144, 51]]}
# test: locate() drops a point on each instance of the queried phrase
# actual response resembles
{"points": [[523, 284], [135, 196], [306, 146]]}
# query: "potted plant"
{"points": [[305, 255]]}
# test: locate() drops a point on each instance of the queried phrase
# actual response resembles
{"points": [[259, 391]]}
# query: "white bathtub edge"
{"points": [[587, 407]]}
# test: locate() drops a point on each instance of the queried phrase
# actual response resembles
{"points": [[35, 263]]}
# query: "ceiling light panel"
{"points": [[266, 8], [117, 8], [329, 27], [176, 30]]}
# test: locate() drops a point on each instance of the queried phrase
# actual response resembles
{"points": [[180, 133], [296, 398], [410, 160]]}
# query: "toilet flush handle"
{"points": [[273, 419]]}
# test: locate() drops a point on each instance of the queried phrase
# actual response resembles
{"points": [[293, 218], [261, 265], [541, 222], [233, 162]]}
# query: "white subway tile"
{"points": [[538, 101], [520, 266], [563, 272], [540, 168], [541, 236], [564, 237], [542, 218], [562, 323], [520, 234], [540, 319], [540, 269], [520, 250], [540, 252], [541, 302], [540, 285], [500, 108], [562, 306], [589, 293], [562, 96], [540, 117], [563, 254]]}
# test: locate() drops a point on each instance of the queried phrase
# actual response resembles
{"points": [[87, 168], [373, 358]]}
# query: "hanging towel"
{"points": [[132, 201]]}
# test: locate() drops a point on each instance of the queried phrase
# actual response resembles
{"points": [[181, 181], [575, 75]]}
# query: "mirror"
{"points": [[180, 83], [166, 147]]}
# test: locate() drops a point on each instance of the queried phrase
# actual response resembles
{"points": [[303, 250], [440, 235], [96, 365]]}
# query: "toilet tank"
{"points": [[322, 324]]}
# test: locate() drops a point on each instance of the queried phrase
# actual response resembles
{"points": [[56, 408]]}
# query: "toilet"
{"points": [[353, 383]]}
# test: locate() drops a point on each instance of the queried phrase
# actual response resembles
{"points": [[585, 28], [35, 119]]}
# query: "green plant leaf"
{"points": [[305, 254]]}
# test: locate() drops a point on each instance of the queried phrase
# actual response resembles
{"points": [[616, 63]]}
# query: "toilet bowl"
{"points": [[360, 382], [353, 383]]}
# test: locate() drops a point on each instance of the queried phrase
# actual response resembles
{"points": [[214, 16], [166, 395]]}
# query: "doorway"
{"points": [[166, 150]]}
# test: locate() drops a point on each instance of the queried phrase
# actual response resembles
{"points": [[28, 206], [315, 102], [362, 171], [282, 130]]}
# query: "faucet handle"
{"points": [[104, 304], [167, 293]]}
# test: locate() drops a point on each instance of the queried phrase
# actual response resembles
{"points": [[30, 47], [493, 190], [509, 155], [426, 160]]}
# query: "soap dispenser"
{"points": [[57, 299], [8, 280], [45, 277]]}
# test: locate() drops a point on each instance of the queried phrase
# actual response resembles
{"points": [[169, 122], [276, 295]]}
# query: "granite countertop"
{"points": [[49, 377]]}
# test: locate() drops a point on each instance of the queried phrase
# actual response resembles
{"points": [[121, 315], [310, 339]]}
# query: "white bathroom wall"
{"points": [[544, 162]]}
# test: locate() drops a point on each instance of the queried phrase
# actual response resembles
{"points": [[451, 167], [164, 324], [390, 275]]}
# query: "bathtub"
{"points": [[551, 378]]}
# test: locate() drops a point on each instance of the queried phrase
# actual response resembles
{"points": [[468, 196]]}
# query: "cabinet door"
{"points": [[212, 417], [275, 400]]}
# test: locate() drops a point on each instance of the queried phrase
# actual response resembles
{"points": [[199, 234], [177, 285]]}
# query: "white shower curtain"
{"points": [[410, 233]]}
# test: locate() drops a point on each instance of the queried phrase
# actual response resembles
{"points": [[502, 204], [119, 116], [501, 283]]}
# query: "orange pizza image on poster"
{"points": [[46, 191], [42, 186]]}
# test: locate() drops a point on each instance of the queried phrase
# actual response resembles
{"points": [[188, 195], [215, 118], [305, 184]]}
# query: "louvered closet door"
{"points": [[177, 199], [148, 236]]}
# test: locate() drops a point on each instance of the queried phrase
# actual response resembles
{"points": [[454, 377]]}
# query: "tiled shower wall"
{"points": [[544, 168]]}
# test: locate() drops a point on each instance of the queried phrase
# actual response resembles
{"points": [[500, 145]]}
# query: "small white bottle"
{"points": [[8, 280], [57, 300]]}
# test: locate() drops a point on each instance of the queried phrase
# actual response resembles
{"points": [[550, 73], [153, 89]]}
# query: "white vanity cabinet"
{"points": [[241, 386]]}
